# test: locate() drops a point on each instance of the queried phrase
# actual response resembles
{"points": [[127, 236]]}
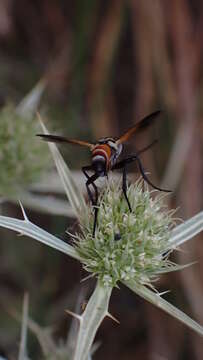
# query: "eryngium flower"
{"points": [[22, 156], [127, 245]]}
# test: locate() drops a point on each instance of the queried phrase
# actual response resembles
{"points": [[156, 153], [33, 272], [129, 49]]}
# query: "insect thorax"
{"points": [[115, 149]]}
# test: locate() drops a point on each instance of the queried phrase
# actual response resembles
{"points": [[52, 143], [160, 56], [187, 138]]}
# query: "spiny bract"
{"points": [[127, 245]]}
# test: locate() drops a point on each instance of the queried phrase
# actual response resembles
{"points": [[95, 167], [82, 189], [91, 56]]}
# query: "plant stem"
{"points": [[95, 311]]}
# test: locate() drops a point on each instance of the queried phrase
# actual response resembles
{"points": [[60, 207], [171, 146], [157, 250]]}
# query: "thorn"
{"points": [[25, 302], [87, 278], [41, 123], [26, 297], [117, 286], [71, 235], [23, 211], [164, 292], [184, 251], [83, 305], [38, 116], [112, 317], [19, 235], [79, 317]]}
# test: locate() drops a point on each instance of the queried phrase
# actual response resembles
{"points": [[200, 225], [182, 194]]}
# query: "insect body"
{"points": [[105, 154]]}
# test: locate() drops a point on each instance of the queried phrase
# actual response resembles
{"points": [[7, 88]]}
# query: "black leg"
{"points": [[84, 170], [124, 187], [146, 178], [121, 164], [89, 182], [95, 220]]}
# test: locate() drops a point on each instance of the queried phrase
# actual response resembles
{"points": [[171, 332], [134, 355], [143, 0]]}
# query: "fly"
{"points": [[105, 154]]}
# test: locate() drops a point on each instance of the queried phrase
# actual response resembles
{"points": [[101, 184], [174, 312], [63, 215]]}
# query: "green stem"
{"points": [[95, 312]]}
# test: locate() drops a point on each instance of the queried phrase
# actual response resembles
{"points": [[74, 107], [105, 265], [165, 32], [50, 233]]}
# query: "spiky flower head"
{"points": [[22, 156], [127, 245]]}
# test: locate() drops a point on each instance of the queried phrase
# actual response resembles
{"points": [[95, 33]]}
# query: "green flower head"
{"points": [[23, 157], [127, 245]]}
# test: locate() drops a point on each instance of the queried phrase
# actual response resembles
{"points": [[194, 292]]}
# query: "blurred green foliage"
{"points": [[23, 157]]}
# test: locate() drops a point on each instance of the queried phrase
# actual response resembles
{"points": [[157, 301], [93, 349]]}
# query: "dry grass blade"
{"points": [[23, 343], [73, 193]]}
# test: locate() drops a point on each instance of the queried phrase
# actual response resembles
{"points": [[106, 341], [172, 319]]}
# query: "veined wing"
{"points": [[138, 126]]}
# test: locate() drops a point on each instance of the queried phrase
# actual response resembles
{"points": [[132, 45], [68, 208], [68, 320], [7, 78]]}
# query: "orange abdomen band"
{"points": [[102, 150]]}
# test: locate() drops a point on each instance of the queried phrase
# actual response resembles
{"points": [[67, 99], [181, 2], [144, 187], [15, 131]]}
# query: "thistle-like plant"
{"points": [[62, 349], [128, 247], [22, 157]]}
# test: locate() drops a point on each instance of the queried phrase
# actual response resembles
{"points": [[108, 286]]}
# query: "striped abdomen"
{"points": [[101, 155]]}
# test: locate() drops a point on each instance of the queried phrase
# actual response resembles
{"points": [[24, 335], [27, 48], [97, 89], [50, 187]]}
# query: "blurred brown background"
{"points": [[106, 64]]}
